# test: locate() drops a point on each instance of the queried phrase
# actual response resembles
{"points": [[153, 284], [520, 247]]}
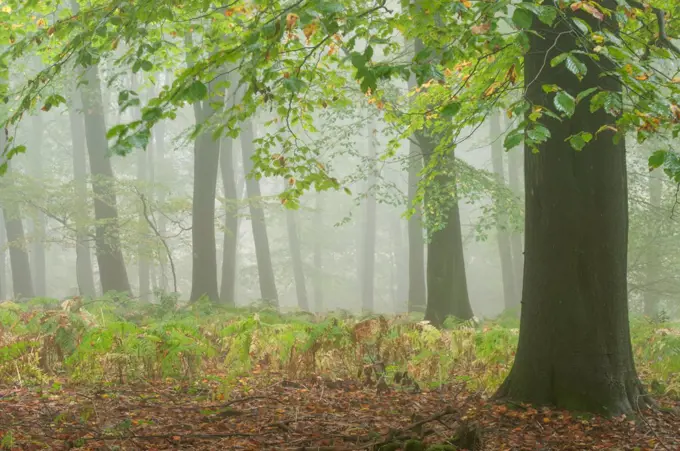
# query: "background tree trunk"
{"points": [[38, 265], [22, 282], [447, 293], [160, 167], [417, 291], [296, 257], [206, 160], [517, 247], [368, 241], [318, 257], [231, 223], [504, 248], [258, 222], [653, 259], [84, 273], [574, 344], [3, 258], [112, 272]]}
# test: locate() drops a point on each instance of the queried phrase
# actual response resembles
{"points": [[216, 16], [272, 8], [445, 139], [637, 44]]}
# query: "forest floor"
{"points": [[264, 414]]}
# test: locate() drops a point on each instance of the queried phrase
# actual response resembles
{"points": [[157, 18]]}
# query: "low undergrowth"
{"points": [[118, 340]]}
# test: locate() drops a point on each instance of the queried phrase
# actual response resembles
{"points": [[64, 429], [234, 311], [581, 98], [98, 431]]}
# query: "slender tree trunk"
{"points": [[653, 259], [84, 273], [142, 257], [262, 254], [3, 258], [417, 291], [504, 247], [18, 255], [112, 272], [517, 248], [143, 270], [400, 267], [160, 167], [318, 257], [296, 257], [369, 235], [206, 161], [231, 223], [574, 343], [38, 265]]}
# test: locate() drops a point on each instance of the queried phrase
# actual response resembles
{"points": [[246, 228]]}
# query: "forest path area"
{"points": [[311, 415]]}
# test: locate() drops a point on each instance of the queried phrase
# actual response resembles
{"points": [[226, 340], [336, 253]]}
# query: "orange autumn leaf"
{"points": [[481, 29]]}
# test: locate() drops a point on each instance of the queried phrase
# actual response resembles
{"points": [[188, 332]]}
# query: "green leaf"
{"points": [[539, 134], [152, 114], [559, 59], [522, 18], [293, 84], [579, 141], [513, 139], [583, 94], [657, 159], [197, 91], [546, 14], [576, 66], [451, 109], [565, 103]]}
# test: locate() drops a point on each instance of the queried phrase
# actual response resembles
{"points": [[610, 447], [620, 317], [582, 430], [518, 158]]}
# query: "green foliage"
{"points": [[119, 340]]}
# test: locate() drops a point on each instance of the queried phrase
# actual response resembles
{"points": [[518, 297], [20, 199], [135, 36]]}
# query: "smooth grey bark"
{"points": [[417, 290], [317, 281], [206, 161], [112, 272], [38, 263], [296, 257], [257, 219], [143, 269], [370, 221], [510, 298], [653, 264], [159, 166], [84, 272], [20, 265], [516, 245], [399, 267], [3, 258], [231, 223], [574, 342]]}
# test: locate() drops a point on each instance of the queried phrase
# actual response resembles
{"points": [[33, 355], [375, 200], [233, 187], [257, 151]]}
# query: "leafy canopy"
{"points": [[296, 57]]}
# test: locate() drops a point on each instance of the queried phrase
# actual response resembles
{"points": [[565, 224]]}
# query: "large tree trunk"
{"points": [[653, 259], [231, 223], [206, 160], [514, 170], [504, 248], [296, 257], [417, 291], [112, 272], [38, 265], [317, 283], [84, 273], [369, 235], [574, 344], [257, 219]]}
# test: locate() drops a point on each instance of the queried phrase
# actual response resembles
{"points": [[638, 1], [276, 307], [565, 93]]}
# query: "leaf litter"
{"points": [[309, 414]]}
